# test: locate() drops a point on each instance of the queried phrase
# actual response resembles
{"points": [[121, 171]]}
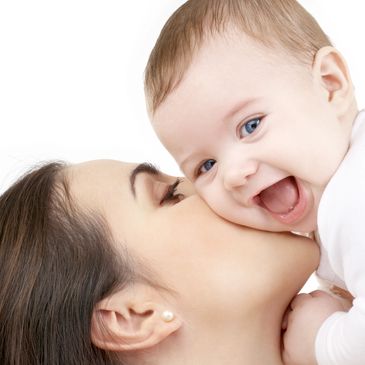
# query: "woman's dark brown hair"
{"points": [[56, 263]]}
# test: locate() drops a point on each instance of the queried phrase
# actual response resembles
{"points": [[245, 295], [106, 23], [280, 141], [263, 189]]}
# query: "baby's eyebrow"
{"points": [[241, 105], [145, 168]]}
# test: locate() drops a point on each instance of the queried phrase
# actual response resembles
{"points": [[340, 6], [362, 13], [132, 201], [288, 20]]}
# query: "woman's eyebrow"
{"points": [[146, 168]]}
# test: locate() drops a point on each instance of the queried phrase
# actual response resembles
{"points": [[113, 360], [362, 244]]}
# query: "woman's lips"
{"points": [[285, 200]]}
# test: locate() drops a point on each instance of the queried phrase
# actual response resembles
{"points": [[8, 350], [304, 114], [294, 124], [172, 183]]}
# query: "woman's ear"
{"points": [[132, 319], [330, 69]]}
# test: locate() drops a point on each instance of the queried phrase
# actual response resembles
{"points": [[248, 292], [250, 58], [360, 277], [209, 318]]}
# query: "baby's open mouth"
{"points": [[281, 197]]}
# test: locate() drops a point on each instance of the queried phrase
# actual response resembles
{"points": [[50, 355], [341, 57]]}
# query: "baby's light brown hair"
{"points": [[280, 23]]}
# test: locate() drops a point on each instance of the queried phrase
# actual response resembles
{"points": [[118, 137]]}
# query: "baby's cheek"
{"points": [[218, 202]]}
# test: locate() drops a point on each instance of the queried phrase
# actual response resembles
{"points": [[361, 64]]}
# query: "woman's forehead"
{"points": [[97, 182]]}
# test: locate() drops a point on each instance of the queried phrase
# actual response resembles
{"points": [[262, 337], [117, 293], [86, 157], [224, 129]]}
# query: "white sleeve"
{"points": [[341, 338], [341, 222]]}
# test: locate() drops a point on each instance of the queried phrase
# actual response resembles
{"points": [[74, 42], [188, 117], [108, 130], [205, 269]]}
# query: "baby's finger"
{"points": [[319, 293], [299, 299], [284, 323]]}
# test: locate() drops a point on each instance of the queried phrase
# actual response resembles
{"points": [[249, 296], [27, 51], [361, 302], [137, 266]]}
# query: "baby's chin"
{"points": [[306, 229]]}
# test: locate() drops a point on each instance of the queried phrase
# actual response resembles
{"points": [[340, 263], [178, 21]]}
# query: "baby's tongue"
{"points": [[281, 197]]}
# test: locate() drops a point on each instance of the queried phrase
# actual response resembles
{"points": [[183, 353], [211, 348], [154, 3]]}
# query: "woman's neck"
{"points": [[255, 342]]}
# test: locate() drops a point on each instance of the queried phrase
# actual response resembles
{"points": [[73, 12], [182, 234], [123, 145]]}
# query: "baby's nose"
{"points": [[237, 176], [234, 179]]}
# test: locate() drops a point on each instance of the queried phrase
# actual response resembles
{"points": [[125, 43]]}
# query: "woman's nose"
{"points": [[186, 187], [238, 175]]}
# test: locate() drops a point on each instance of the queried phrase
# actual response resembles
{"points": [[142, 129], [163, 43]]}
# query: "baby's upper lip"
{"points": [[284, 199], [249, 199], [256, 196]]}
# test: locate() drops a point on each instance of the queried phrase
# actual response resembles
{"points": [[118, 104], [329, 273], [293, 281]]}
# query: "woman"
{"points": [[113, 263]]}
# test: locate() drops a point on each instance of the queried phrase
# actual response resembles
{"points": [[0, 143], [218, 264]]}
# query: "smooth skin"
{"points": [[229, 286]]}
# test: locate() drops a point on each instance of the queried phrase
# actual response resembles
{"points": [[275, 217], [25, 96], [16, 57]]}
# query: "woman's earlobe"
{"points": [[330, 69], [131, 325]]}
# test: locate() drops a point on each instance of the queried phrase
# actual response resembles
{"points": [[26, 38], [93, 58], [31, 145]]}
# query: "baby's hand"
{"points": [[308, 312]]}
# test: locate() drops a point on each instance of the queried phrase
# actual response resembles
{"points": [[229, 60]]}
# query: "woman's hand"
{"points": [[306, 314]]}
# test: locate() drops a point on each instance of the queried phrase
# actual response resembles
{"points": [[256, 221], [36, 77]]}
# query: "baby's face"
{"points": [[255, 132]]}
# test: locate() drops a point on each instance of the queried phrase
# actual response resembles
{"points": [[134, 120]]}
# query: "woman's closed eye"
{"points": [[170, 195], [248, 127]]}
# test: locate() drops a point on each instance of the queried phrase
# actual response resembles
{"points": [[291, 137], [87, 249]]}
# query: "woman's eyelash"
{"points": [[170, 195]]}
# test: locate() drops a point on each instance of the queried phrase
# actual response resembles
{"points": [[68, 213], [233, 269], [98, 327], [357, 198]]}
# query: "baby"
{"points": [[258, 109]]}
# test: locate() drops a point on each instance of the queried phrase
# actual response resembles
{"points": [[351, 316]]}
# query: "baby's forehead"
{"points": [[227, 53], [224, 62]]}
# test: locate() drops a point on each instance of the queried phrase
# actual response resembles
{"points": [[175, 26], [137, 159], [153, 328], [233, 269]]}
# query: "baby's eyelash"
{"points": [[198, 171], [170, 195]]}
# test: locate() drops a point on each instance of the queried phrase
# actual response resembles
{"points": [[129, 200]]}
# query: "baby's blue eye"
{"points": [[206, 166], [249, 127]]}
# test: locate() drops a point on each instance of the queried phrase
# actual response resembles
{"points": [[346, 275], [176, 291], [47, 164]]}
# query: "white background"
{"points": [[71, 77]]}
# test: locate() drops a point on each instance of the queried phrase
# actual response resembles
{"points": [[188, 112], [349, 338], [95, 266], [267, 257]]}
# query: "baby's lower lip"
{"points": [[295, 213]]}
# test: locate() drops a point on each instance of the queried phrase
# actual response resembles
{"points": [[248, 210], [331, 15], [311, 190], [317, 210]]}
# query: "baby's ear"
{"points": [[331, 71], [131, 320]]}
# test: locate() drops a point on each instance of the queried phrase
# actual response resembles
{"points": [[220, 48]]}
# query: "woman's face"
{"points": [[227, 277]]}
